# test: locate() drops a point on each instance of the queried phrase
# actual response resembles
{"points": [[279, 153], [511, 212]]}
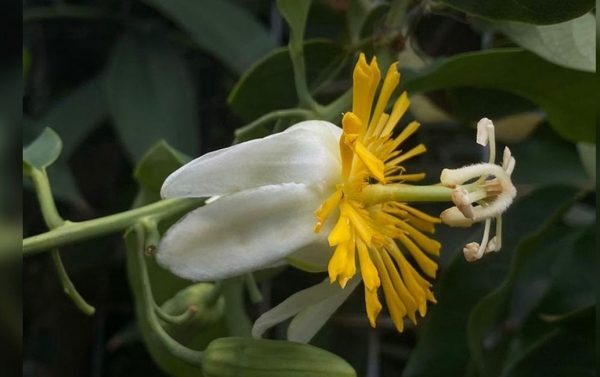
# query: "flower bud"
{"points": [[248, 357], [205, 310]]}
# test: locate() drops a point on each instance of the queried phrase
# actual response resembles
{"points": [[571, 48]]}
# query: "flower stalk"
{"points": [[71, 232]]}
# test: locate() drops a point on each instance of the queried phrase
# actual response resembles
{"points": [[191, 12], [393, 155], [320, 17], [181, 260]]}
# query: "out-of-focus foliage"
{"points": [[133, 88]]}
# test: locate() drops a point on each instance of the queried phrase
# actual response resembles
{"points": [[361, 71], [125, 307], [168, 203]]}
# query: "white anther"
{"points": [[460, 197], [454, 217], [483, 128], [471, 251]]}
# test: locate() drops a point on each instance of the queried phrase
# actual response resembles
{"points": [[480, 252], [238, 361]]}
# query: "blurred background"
{"points": [[114, 77]]}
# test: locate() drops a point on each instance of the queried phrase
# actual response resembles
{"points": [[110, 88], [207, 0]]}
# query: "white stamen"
{"points": [[482, 131], [453, 217], [471, 253]]}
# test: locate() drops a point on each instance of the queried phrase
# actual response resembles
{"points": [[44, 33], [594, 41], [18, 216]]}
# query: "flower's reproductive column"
{"points": [[389, 237]]}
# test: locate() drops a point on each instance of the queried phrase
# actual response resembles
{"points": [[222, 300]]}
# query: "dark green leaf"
{"points": [[531, 11], [43, 151], [536, 262], [570, 44], [151, 95], [442, 347], [76, 114], [73, 117], [295, 13], [156, 165], [220, 27], [269, 84], [546, 148], [566, 95]]}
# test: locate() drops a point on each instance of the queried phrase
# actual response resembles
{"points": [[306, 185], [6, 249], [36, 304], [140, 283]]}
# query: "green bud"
{"points": [[206, 310], [247, 357]]}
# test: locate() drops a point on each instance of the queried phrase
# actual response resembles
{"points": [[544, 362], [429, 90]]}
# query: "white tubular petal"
{"points": [[310, 320], [452, 177], [296, 303], [313, 257], [307, 152], [483, 127], [241, 232]]}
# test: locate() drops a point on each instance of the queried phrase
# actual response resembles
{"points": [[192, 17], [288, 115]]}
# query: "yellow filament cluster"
{"points": [[389, 238]]}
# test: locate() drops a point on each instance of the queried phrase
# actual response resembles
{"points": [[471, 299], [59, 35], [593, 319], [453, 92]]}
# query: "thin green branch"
{"points": [[44, 194], [68, 286], [53, 220], [71, 232], [178, 350]]}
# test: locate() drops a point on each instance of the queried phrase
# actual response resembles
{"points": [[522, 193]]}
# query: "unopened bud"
{"points": [[248, 357], [205, 310]]}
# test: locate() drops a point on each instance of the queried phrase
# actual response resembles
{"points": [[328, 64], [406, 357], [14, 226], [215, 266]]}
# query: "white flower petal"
{"points": [[307, 152], [310, 320], [298, 302], [241, 232], [313, 257]]}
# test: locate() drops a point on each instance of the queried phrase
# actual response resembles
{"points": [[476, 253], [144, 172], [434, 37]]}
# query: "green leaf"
{"points": [[463, 284], [73, 116], [76, 114], [587, 154], [43, 151], [537, 260], [567, 96], [220, 27], [546, 149], [570, 44], [295, 13], [530, 11], [151, 95], [269, 84], [156, 165]]}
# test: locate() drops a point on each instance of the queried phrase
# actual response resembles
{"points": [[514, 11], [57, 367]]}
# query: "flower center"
{"points": [[388, 237]]}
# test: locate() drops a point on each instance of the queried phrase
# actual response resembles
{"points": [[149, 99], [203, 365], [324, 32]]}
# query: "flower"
{"points": [[493, 191], [319, 197]]}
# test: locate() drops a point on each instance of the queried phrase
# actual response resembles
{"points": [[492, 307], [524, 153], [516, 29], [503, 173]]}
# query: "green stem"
{"points": [[333, 111], [54, 221], [179, 351], [241, 134], [399, 192], [44, 194], [71, 232], [297, 56], [68, 286]]}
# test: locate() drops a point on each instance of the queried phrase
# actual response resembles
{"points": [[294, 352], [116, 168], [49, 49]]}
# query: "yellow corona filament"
{"points": [[389, 238]]}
